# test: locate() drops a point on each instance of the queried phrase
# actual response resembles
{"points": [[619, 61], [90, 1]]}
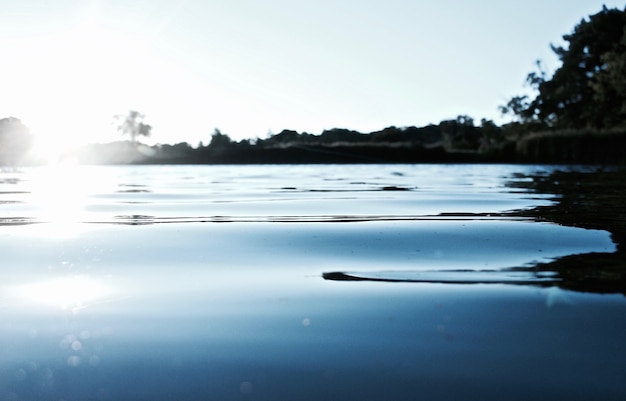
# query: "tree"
{"points": [[339, 135], [460, 134], [389, 134], [15, 140], [132, 124], [219, 140], [284, 137], [581, 93], [610, 85]]}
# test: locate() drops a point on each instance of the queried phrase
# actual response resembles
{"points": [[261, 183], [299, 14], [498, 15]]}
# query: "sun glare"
{"points": [[48, 151], [73, 293], [62, 195], [93, 70]]}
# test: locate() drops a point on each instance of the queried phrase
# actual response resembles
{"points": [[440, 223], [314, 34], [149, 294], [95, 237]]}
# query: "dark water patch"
{"points": [[395, 188], [133, 191], [600, 273], [133, 188], [449, 277], [590, 198], [463, 215], [16, 221], [369, 189], [583, 199], [134, 219], [596, 272]]}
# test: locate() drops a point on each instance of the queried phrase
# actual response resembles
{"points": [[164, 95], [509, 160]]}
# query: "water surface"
{"points": [[298, 282]]}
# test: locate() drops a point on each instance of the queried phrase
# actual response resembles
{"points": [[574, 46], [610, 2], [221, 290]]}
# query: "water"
{"points": [[296, 282]]}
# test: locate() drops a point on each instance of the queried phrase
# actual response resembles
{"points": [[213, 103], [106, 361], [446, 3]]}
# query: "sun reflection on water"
{"points": [[73, 293], [61, 195]]}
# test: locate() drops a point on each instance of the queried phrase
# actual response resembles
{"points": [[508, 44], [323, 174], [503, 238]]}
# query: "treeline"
{"points": [[453, 140], [458, 140]]}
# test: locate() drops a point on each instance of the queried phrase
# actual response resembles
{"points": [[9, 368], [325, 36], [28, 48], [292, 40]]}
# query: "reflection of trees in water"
{"points": [[591, 200]]}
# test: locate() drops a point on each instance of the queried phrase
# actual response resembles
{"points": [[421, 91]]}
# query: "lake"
{"points": [[300, 282]]}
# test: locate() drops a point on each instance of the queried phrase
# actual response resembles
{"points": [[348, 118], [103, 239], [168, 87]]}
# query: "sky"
{"points": [[254, 67]]}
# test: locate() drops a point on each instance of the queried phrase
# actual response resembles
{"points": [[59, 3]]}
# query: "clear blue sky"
{"points": [[249, 67]]}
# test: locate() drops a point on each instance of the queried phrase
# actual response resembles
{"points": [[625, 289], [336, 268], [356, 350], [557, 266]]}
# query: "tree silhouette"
{"points": [[588, 89], [460, 133], [132, 124], [15, 140], [219, 140]]}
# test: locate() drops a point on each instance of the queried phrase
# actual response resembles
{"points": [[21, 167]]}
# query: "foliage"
{"points": [[588, 89], [338, 135], [219, 140], [132, 124], [610, 85], [15, 140], [460, 134]]}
